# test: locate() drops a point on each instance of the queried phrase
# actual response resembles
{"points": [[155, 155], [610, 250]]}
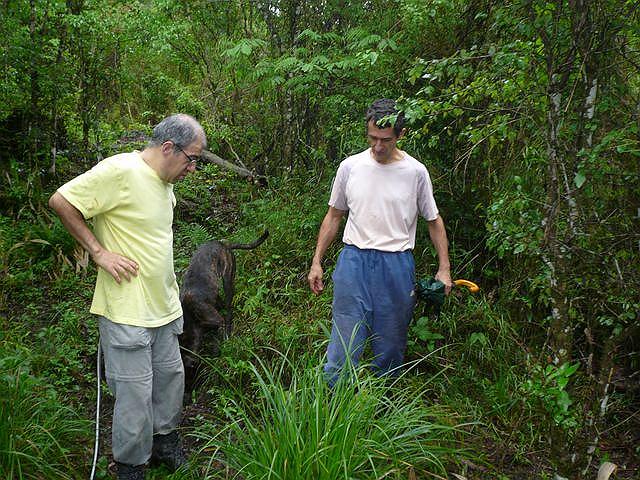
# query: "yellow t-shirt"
{"points": [[132, 211]]}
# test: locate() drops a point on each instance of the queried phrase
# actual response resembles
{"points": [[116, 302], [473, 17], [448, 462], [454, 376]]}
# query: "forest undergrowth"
{"points": [[526, 114], [476, 400]]}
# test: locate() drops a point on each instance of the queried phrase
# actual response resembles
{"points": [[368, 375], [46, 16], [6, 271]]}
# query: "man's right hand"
{"points": [[116, 265], [328, 230], [315, 279]]}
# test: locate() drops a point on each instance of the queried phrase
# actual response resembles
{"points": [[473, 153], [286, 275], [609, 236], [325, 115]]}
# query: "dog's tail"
{"points": [[248, 246]]}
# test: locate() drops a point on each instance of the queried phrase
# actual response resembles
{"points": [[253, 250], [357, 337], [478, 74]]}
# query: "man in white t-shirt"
{"points": [[382, 190], [130, 199]]}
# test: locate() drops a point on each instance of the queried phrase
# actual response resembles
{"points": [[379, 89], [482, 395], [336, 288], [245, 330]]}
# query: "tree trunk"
{"points": [[560, 334]]}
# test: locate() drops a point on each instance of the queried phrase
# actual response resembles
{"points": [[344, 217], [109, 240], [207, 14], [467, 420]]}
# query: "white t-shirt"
{"points": [[383, 201]]}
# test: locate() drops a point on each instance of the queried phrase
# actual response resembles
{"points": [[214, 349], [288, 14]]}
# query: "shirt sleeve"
{"points": [[338, 197], [96, 191], [426, 203]]}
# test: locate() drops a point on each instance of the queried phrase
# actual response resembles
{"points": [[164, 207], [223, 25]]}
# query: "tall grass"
{"points": [[295, 427], [37, 432]]}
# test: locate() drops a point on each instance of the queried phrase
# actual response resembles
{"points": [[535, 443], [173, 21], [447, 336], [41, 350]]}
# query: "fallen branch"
{"points": [[243, 172]]}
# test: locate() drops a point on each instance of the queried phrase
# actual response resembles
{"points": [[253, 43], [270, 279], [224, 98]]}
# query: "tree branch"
{"points": [[243, 172]]}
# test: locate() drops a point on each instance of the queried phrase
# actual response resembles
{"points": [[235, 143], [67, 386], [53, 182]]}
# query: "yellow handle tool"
{"points": [[473, 288]]}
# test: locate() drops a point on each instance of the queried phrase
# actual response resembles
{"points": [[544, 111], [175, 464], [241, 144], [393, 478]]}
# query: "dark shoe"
{"points": [[130, 472], [167, 449]]}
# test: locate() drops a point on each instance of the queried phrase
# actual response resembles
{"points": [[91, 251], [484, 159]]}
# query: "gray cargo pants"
{"points": [[145, 374]]}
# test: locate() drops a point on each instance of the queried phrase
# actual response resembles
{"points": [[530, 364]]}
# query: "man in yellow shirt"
{"points": [[130, 199]]}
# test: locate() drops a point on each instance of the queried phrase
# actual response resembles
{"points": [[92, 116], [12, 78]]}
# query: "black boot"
{"points": [[130, 472], [167, 449]]}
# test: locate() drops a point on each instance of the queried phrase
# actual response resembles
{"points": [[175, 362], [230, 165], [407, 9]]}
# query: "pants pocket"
{"points": [[124, 337], [177, 326], [126, 350]]}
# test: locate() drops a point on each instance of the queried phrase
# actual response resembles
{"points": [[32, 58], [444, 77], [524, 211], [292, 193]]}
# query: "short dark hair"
{"points": [[181, 129], [386, 107]]}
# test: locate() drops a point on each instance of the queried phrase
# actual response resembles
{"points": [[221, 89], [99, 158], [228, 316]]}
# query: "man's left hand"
{"points": [[445, 277]]}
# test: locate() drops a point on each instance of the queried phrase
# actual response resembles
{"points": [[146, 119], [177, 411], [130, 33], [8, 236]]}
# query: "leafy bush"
{"points": [[548, 386]]}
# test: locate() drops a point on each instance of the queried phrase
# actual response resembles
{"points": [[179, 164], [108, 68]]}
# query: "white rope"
{"points": [[95, 446]]}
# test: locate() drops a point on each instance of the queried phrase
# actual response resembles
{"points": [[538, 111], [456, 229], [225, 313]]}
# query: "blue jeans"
{"points": [[373, 299]]}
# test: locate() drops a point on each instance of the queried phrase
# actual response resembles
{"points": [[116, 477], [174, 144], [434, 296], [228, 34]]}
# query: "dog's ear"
{"points": [[211, 318], [203, 312], [190, 312], [186, 299]]}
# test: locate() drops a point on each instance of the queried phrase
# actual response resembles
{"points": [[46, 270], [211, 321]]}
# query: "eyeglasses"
{"points": [[192, 159]]}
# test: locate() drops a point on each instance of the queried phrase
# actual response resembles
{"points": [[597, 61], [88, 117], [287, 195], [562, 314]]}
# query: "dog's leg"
{"points": [[188, 344], [229, 290]]}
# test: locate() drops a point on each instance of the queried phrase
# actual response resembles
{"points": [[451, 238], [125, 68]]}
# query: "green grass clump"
{"points": [[294, 426], [37, 431]]}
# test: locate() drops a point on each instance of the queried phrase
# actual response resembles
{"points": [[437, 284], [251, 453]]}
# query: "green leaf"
{"points": [[310, 34], [478, 337], [631, 148], [579, 179]]}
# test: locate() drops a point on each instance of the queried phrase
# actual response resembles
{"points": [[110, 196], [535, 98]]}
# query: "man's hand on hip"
{"points": [[116, 265]]}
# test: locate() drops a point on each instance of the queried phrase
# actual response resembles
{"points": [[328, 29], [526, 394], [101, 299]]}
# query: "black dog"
{"points": [[212, 266]]}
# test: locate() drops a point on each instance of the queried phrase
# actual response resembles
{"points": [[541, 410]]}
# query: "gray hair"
{"points": [[181, 129]]}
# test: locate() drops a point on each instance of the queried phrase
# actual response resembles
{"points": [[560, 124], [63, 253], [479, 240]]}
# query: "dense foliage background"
{"points": [[527, 115]]}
